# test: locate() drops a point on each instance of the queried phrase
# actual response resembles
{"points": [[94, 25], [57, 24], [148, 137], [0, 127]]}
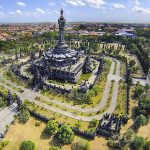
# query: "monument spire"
{"points": [[62, 12], [61, 22]]}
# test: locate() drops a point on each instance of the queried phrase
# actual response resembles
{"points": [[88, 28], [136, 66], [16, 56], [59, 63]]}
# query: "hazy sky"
{"points": [[137, 11]]}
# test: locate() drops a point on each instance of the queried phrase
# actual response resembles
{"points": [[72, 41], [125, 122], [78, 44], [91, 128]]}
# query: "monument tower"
{"points": [[62, 62], [61, 47]]}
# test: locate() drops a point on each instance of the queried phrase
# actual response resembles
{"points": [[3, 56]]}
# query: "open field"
{"points": [[20, 132]]}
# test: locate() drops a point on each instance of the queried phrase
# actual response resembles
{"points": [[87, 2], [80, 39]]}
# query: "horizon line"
{"points": [[102, 22]]}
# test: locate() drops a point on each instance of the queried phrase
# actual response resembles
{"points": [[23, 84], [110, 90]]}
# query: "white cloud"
{"points": [[91, 3], [56, 12], [136, 2], [51, 4], [11, 12], [141, 10], [18, 12], [63, 4], [39, 10], [76, 2], [21, 3], [117, 5], [96, 3], [1, 14]]}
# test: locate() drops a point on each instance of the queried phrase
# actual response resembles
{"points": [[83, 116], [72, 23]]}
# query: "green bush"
{"points": [[38, 123], [140, 121], [3, 144], [96, 89], [51, 127], [93, 123], [65, 134], [146, 145], [27, 145], [24, 116], [81, 145], [137, 143]]}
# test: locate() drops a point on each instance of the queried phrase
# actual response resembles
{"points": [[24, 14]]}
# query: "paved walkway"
{"points": [[30, 95], [7, 116]]}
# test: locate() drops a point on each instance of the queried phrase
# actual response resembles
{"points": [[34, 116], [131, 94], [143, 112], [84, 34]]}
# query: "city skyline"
{"points": [[119, 11]]}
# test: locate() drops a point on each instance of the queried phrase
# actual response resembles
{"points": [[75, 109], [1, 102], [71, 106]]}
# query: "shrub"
{"points": [[96, 89], [65, 134], [147, 145], [3, 144], [24, 116], [27, 145], [81, 145], [93, 123], [38, 123], [51, 127], [91, 93], [137, 143], [77, 125], [140, 121]]}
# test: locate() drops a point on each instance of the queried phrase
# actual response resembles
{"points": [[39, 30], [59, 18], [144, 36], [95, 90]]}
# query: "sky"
{"points": [[126, 11]]}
